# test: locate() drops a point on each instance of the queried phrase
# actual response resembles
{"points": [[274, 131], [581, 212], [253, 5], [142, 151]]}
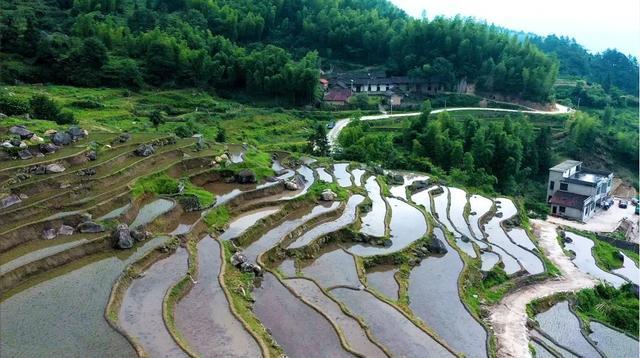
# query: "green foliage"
{"points": [[43, 107], [157, 118], [205, 197], [495, 277], [159, 183], [319, 186], [617, 307], [218, 217], [259, 162], [265, 47], [318, 143], [12, 105], [221, 136], [183, 131], [66, 117]]}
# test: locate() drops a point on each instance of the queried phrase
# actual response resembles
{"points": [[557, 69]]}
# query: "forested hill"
{"points": [[267, 47], [610, 68]]}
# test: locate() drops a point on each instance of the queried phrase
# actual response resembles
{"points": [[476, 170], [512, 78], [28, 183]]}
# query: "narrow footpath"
{"points": [[509, 317]]}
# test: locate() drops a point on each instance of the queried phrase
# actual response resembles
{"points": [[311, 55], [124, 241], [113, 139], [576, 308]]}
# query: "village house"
{"points": [[338, 96], [574, 192], [377, 83]]}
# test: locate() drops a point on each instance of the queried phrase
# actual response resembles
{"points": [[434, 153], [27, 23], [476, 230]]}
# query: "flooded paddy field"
{"points": [[244, 221], [433, 289], [298, 328], [629, 270], [440, 209], [373, 222], [141, 311], [357, 176], [324, 176], [585, 262], [333, 267], [381, 278], [343, 177], [203, 316], [400, 191], [612, 342]]}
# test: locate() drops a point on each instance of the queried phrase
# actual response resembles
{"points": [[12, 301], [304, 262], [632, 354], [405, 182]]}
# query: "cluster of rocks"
{"points": [[419, 185], [246, 176], [87, 172], [145, 150], [39, 169], [124, 238], [9, 200], [434, 247], [122, 138], [220, 160], [28, 145], [240, 261], [86, 226]]}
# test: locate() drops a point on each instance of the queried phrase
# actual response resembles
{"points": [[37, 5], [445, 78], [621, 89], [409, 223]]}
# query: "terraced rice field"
{"points": [[260, 271]]}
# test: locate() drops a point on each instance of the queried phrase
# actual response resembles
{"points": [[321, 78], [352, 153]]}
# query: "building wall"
{"points": [[571, 213]]}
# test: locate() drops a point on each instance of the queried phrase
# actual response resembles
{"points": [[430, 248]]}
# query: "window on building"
{"points": [[552, 184], [562, 209], [549, 199], [564, 186]]}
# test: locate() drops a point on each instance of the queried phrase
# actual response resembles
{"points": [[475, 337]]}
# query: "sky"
{"points": [[596, 25]]}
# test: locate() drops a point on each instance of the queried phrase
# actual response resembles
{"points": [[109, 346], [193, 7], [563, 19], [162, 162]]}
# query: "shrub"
{"points": [[43, 107], [12, 105], [66, 117], [87, 103], [183, 131]]}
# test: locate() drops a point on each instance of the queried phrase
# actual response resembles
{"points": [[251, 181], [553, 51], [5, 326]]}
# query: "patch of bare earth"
{"points": [[509, 317]]}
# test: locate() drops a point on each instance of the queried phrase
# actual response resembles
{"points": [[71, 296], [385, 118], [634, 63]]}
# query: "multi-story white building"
{"points": [[574, 191]]}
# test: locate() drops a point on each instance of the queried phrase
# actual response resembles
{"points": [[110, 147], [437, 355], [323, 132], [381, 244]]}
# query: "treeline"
{"points": [[494, 155], [610, 68], [225, 44]]}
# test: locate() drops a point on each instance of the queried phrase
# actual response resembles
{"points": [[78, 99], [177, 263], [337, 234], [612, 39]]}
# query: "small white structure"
{"points": [[574, 192]]}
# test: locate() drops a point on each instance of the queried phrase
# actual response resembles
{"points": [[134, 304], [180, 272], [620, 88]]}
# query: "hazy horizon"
{"points": [[592, 24]]}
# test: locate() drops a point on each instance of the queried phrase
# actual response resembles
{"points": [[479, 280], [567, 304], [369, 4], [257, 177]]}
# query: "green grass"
{"points": [[617, 307], [163, 184], [605, 254], [218, 217], [318, 187], [258, 161]]}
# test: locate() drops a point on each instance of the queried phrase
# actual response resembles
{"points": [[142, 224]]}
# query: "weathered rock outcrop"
{"points": [[121, 237], [246, 176], [21, 131], [61, 138], [145, 150], [90, 227]]}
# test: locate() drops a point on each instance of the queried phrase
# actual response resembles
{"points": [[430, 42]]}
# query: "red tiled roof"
{"points": [[338, 94], [569, 200], [324, 81]]}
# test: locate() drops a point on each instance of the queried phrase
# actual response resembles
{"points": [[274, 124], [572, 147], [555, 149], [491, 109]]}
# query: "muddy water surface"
{"points": [[299, 329], [324, 176], [612, 342], [243, 222], [76, 325], [141, 311], [433, 288], [333, 267], [456, 214], [39, 254], [203, 315], [406, 226], [382, 279], [563, 326], [586, 263], [273, 236], [373, 221], [357, 176], [629, 270], [496, 235], [236, 153], [390, 327], [353, 332], [308, 180], [348, 217], [342, 175], [151, 211]]}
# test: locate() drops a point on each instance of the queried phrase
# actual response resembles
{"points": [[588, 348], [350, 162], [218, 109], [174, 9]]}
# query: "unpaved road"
{"points": [[332, 136], [509, 317]]}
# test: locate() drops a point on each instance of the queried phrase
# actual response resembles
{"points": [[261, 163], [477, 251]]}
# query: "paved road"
{"points": [[332, 136]]}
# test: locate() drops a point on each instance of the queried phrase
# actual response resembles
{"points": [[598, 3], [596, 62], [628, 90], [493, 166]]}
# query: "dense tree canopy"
{"points": [[264, 46]]}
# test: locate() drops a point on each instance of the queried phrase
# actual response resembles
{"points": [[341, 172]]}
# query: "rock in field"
{"points": [[246, 176], [54, 168], [25, 154], [437, 247], [48, 148], [145, 150], [61, 138], [49, 234], [9, 200], [92, 155], [76, 133], [21, 131], [238, 259], [122, 237], [90, 227], [328, 195], [291, 185], [65, 230]]}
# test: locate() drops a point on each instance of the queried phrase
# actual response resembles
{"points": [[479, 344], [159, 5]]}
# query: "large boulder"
{"points": [[437, 247], [48, 148], [65, 230], [6, 144], [21, 131], [76, 133], [140, 235], [92, 155], [291, 185], [90, 227], [25, 154], [9, 200], [246, 176], [61, 138], [328, 195], [123, 138], [121, 237], [54, 168], [238, 259], [49, 234], [145, 150]]}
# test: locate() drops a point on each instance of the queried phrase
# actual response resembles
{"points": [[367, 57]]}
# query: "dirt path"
{"points": [[509, 317]]}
